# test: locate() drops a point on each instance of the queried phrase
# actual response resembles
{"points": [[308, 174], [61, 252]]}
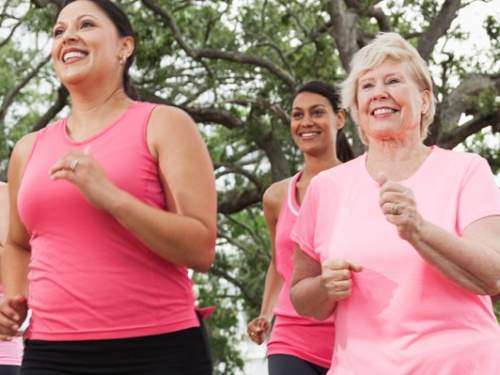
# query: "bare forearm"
{"points": [[1, 257], [181, 240], [309, 299], [272, 289], [15, 261], [470, 264]]}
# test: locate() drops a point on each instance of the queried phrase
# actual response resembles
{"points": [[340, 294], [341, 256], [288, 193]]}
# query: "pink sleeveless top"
{"points": [[293, 334], [11, 352], [89, 277]]}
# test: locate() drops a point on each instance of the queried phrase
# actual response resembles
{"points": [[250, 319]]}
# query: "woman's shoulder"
{"points": [[459, 159], [343, 170], [168, 113], [25, 144], [171, 120], [275, 194]]}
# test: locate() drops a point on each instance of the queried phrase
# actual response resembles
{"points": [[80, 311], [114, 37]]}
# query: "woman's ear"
{"points": [[127, 46], [340, 122], [426, 101]]}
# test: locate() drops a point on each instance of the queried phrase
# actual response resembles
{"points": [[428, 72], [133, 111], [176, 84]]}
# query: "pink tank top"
{"points": [[11, 352], [89, 277], [293, 334]]}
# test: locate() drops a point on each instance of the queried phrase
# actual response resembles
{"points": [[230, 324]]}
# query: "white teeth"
{"points": [[382, 111], [308, 134], [73, 55]]}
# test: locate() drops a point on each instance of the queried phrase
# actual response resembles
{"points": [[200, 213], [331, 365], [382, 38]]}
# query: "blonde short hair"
{"points": [[388, 46]]}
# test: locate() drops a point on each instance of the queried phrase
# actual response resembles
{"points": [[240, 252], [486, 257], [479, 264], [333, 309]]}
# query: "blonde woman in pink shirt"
{"points": [[10, 351], [299, 345], [401, 244], [109, 208]]}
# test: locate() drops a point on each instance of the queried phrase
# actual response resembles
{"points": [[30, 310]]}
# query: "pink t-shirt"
{"points": [[89, 277], [404, 316], [293, 334], [11, 352]]}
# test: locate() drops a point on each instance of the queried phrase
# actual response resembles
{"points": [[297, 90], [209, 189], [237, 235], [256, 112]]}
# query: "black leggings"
{"points": [[284, 364], [178, 353], [9, 370]]}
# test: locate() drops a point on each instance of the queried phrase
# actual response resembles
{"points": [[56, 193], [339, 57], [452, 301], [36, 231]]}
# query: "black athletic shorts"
{"points": [[9, 370], [284, 364], [183, 352]]}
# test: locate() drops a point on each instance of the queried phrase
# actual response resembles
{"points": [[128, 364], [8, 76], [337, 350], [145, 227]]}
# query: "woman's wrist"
{"points": [[267, 316], [114, 200], [420, 232]]}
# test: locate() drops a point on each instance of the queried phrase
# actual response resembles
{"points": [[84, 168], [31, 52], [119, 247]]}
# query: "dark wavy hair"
{"points": [[124, 28], [344, 150]]}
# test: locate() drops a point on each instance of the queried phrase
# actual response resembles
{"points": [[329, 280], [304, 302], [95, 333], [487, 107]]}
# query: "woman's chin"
{"points": [[72, 78], [385, 132]]}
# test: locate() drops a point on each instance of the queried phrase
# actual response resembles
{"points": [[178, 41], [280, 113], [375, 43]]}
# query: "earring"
{"points": [[122, 60]]}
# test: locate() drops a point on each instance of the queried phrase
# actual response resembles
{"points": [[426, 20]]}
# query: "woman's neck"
{"points": [[396, 159], [90, 113], [315, 164]]}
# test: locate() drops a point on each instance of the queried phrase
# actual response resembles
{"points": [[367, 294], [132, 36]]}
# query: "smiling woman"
{"points": [[401, 243], [77, 37], [109, 207], [298, 345]]}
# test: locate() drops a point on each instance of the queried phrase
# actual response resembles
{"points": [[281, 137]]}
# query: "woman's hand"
{"points": [[81, 169], [13, 311], [400, 208], [336, 278], [258, 329]]}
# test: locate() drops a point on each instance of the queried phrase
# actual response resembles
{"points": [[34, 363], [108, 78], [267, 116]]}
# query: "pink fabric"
{"points": [[90, 278], [11, 352], [403, 317], [293, 334]]}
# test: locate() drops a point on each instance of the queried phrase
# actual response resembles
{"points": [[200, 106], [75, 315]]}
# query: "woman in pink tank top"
{"points": [[298, 345], [10, 351], [109, 208]]}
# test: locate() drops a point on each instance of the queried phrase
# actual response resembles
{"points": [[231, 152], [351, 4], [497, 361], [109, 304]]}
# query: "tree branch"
{"points": [[272, 148], [4, 42], [10, 96], [382, 20], [437, 28], [459, 100], [255, 237], [376, 12], [44, 3], [246, 294], [460, 133], [242, 58], [311, 37], [59, 104], [210, 53], [236, 200], [344, 31], [233, 168], [204, 115], [264, 104]]}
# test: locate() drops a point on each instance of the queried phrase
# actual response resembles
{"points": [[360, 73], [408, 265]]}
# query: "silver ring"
{"points": [[73, 164]]}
